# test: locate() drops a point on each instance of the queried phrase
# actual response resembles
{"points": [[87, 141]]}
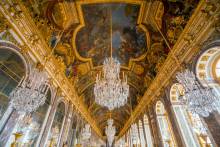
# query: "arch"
{"points": [[55, 131], [166, 131], [160, 110], [141, 134], [189, 137], [12, 47], [13, 66], [149, 141], [175, 91], [186, 120], [207, 66], [61, 99]]}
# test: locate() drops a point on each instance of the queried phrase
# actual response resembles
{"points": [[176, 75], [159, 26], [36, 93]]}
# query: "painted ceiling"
{"points": [[128, 40], [143, 33]]}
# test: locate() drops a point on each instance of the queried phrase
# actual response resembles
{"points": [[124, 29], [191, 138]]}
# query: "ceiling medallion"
{"points": [[31, 92], [110, 132], [198, 99], [109, 90]]}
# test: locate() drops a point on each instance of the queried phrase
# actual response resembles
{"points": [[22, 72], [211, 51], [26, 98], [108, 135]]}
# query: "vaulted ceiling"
{"points": [[143, 32]]}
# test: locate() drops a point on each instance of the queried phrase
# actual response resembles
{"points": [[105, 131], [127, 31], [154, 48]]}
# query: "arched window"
{"points": [[190, 124], [12, 69], [164, 125], [216, 69], [181, 116], [208, 69], [72, 132], [56, 128], [30, 126], [147, 132], [141, 133]]}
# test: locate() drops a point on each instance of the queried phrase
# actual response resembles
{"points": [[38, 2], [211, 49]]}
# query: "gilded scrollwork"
{"points": [[45, 25]]}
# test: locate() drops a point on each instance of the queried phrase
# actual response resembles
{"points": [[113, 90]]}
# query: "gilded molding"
{"points": [[23, 24], [197, 31]]}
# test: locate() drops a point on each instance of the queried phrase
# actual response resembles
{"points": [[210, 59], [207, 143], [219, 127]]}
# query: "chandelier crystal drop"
{"points": [[86, 132], [30, 93], [198, 99], [109, 90], [110, 132]]}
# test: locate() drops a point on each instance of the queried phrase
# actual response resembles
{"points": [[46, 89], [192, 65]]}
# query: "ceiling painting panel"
{"points": [[94, 39]]}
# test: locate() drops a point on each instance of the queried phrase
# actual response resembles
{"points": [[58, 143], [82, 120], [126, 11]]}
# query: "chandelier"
{"points": [[110, 132], [198, 99], [109, 90], [134, 133], [30, 93], [86, 132]]}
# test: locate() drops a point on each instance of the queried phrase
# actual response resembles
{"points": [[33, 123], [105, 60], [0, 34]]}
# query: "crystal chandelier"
{"points": [[86, 132], [109, 90], [30, 93], [134, 133], [198, 99], [110, 132]]}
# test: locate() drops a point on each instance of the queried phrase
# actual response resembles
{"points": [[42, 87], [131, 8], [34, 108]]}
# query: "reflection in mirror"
{"points": [[55, 130]]}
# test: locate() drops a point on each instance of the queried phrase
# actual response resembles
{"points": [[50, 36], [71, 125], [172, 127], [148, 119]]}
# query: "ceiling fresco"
{"points": [[128, 40], [177, 14], [143, 33]]}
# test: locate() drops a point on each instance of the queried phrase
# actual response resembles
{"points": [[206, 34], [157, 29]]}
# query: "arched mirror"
{"points": [[191, 126], [12, 69], [56, 128]]}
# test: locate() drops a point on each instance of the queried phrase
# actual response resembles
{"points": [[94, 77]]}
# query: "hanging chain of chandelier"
{"points": [[198, 99], [110, 91]]}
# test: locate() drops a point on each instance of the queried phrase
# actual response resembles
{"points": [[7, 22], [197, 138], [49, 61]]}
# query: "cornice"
{"points": [[197, 31], [18, 17]]}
